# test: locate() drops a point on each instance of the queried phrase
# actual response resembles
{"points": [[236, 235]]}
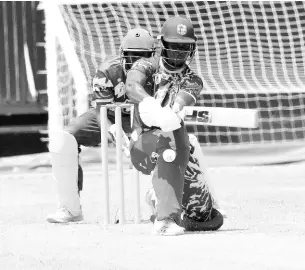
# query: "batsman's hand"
{"points": [[148, 109], [169, 120], [152, 114]]}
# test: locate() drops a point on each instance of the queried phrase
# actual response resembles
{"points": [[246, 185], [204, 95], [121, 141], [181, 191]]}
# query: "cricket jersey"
{"points": [[109, 83], [189, 83]]}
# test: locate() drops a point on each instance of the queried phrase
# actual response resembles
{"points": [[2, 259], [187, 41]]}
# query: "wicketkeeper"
{"points": [[159, 141], [85, 130]]}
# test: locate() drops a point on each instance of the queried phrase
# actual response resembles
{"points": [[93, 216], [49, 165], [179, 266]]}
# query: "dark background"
{"points": [[23, 121]]}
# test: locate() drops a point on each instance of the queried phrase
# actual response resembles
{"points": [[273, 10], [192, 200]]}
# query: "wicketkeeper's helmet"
{"points": [[178, 31], [136, 44]]}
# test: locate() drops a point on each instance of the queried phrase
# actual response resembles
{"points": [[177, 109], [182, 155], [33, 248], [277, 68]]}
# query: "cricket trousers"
{"points": [[165, 154]]}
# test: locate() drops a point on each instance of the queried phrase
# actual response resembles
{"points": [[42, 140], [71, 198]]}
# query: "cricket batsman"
{"points": [[109, 86], [159, 142]]}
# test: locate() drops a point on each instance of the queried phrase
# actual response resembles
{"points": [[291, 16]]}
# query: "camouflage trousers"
{"points": [[198, 200], [199, 203]]}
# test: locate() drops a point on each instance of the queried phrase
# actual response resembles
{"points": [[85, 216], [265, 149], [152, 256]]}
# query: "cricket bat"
{"points": [[216, 116]]}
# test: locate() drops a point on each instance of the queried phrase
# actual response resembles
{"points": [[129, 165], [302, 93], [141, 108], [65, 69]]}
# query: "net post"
{"points": [[104, 155], [61, 32], [56, 120]]}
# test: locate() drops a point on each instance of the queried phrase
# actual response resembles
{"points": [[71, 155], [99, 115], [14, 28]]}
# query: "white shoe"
{"points": [[151, 200], [62, 215], [167, 227]]}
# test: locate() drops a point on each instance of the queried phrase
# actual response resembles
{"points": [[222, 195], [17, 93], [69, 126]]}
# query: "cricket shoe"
{"points": [[167, 227], [151, 200], [62, 215]]}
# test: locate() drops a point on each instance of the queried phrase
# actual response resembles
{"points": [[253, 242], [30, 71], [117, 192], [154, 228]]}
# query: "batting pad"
{"points": [[63, 149]]}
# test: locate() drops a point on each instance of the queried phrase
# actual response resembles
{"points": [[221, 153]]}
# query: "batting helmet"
{"points": [[138, 39], [136, 44], [178, 30], [178, 42]]}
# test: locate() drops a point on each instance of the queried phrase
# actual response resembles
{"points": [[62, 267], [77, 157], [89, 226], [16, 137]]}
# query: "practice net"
{"points": [[250, 55]]}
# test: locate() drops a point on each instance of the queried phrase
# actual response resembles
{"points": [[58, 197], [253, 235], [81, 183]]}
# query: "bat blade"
{"points": [[216, 116]]}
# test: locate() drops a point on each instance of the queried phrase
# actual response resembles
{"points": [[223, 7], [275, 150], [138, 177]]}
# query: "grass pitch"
{"points": [[265, 228]]}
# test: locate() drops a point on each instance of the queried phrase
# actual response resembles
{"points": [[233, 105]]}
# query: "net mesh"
{"points": [[66, 87], [250, 55]]}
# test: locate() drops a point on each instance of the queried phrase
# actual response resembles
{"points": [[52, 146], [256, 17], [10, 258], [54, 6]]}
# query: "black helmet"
{"points": [[178, 31]]}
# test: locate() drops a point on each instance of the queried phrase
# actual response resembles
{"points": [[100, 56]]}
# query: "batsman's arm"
{"points": [[134, 86], [150, 110], [183, 99], [189, 93]]}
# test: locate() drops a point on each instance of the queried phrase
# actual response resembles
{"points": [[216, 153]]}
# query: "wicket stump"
{"points": [[119, 163]]}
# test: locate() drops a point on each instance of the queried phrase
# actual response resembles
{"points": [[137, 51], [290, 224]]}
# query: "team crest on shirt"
{"points": [[193, 87], [119, 90], [181, 29]]}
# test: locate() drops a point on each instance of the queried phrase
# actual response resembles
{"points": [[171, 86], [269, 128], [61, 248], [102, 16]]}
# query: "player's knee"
{"points": [[63, 142]]}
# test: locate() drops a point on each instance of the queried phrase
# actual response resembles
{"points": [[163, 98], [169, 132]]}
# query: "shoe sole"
{"points": [[58, 220], [168, 233]]}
